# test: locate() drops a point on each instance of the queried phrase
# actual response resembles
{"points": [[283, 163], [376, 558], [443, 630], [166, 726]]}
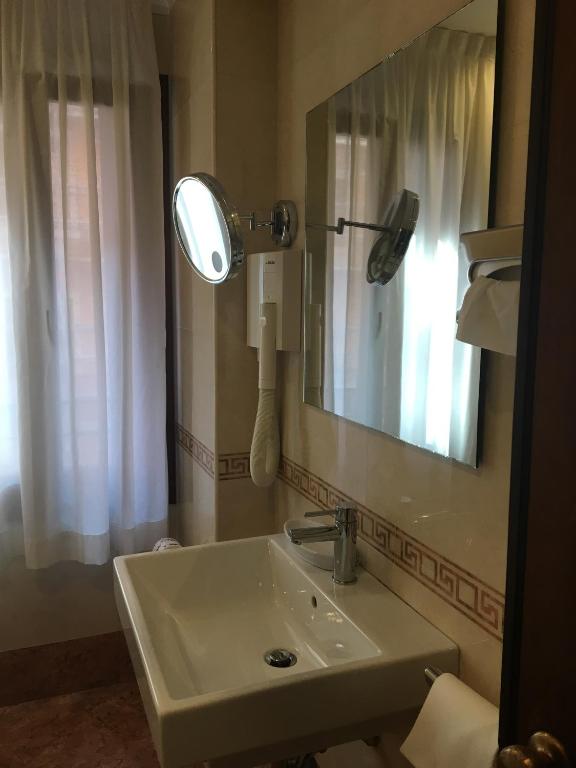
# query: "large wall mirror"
{"points": [[386, 355]]}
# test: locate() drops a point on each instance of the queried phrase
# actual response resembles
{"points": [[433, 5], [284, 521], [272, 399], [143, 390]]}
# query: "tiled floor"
{"points": [[105, 728], [99, 728]]}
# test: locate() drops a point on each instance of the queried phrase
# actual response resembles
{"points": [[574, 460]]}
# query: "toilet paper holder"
{"points": [[432, 674]]}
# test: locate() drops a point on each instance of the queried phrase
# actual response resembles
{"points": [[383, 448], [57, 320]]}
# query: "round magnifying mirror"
{"points": [[208, 228], [387, 253]]}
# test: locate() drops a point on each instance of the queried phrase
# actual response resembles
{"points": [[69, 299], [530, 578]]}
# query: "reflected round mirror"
{"points": [[388, 251], [208, 228]]}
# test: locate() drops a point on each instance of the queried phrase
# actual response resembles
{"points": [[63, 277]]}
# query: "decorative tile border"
{"points": [[233, 466], [459, 588], [465, 592], [199, 452]]}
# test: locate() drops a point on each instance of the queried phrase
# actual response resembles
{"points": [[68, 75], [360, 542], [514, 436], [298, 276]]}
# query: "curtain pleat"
{"points": [[423, 121]]}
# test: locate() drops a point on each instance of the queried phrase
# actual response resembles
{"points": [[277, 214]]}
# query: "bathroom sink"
{"points": [[199, 622]]}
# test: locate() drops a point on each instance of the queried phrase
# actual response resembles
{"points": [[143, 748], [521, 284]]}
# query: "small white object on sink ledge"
{"points": [[318, 553]]}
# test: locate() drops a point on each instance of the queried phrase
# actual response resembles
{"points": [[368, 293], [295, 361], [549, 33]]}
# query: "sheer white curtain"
{"points": [[363, 324], [422, 120], [82, 335]]}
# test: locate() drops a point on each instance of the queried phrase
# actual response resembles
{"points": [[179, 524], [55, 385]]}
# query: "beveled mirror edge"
{"points": [[231, 217]]}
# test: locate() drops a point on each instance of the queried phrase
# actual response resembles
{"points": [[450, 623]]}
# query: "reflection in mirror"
{"points": [[386, 355], [207, 227], [388, 251]]}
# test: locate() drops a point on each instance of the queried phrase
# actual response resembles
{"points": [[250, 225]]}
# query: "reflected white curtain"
{"points": [[421, 121], [82, 336]]}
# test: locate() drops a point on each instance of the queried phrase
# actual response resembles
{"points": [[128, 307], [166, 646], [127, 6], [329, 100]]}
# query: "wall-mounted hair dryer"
{"points": [[273, 319]]}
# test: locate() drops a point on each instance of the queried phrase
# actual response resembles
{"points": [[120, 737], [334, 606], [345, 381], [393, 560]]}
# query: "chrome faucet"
{"points": [[342, 533]]}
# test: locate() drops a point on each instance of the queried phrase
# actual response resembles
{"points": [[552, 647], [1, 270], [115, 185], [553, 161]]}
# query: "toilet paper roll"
{"points": [[489, 315], [456, 728]]}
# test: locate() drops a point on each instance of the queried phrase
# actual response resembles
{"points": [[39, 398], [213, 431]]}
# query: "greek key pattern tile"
{"points": [[202, 455], [460, 589], [233, 466]]}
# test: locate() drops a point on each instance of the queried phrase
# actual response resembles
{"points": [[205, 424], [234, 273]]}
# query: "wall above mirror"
{"points": [[384, 353]]}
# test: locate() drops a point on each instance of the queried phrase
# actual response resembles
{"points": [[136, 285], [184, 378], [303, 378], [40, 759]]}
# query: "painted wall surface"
{"points": [[451, 521]]}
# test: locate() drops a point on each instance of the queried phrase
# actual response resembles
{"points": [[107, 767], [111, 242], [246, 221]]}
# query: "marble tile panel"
{"points": [[59, 668]]}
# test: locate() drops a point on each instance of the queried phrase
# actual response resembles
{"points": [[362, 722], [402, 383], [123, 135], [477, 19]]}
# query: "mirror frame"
{"points": [[231, 217]]}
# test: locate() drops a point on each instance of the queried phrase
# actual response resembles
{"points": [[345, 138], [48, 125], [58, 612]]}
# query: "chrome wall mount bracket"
{"points": [[283, 223]]}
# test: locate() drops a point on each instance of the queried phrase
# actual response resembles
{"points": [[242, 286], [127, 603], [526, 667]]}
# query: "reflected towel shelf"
{"points": [[491, 251], [488, 317]]}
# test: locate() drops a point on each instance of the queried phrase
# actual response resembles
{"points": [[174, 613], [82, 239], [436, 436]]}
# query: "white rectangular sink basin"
{"points": [[199, 621]]}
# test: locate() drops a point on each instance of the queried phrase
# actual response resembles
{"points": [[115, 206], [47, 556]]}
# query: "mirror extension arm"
{"points": [[339, 228]]}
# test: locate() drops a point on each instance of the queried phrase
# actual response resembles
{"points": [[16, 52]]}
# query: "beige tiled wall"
{"points": [[223, 113], [246, 48], [193, 88], [458, 512]]}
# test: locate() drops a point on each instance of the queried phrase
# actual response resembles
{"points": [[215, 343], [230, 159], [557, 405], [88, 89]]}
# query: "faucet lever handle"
{"points": [[343, 514]]}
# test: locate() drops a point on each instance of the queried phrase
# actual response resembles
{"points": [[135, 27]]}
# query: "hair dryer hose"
{"points": [[265, 451]]}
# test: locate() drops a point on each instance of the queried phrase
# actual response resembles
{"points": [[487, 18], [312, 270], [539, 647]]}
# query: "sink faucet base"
{"points": [[342, 533]]}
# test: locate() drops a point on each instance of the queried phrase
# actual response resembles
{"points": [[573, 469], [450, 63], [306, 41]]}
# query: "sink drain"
{"points": [[280, 657]]}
